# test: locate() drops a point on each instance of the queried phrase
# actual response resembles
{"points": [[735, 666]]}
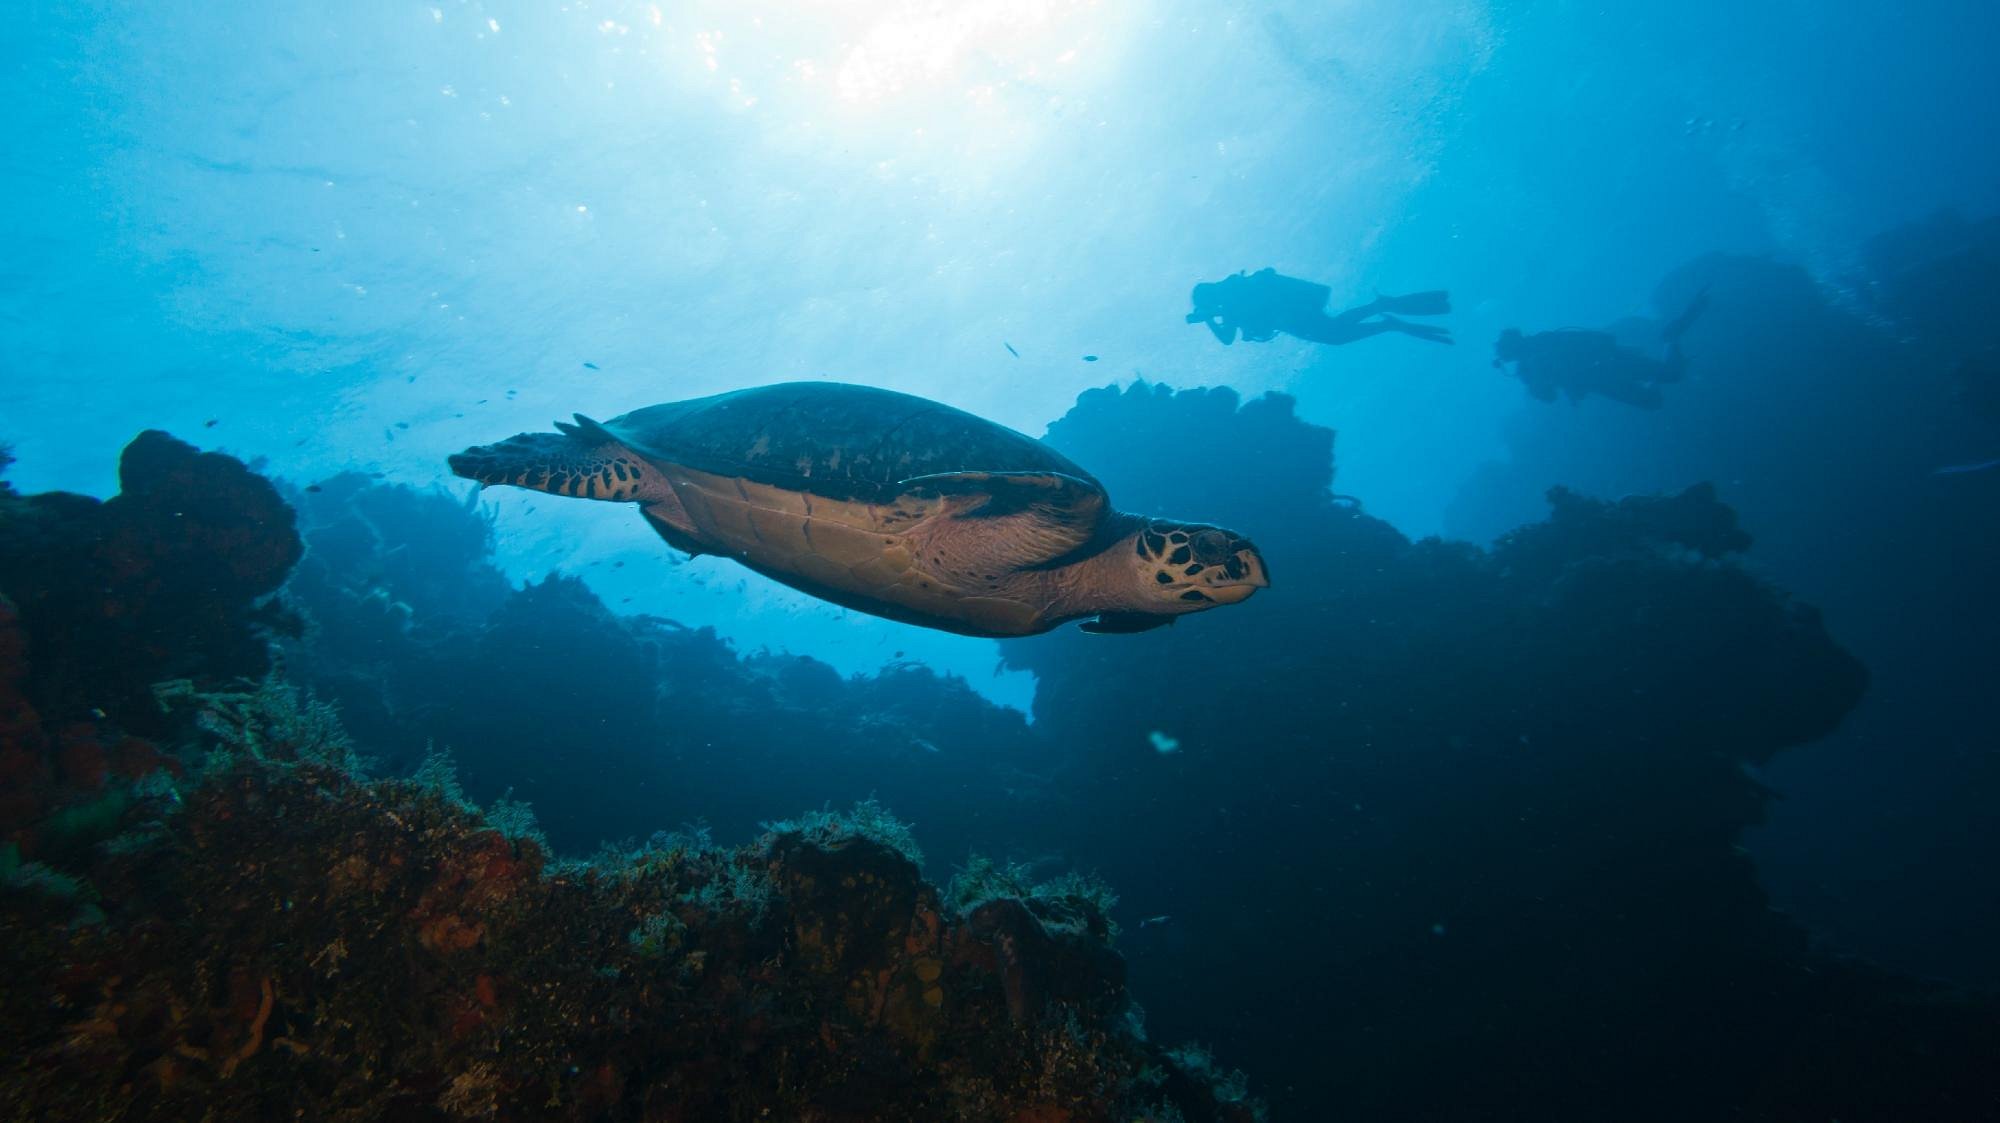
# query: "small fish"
{"points": [[590, 366], [402, 424], [1162, 743], [1090, 358], [211, 423], [314, 487], [1010, 348], [1947, 470], [1152, 920]]}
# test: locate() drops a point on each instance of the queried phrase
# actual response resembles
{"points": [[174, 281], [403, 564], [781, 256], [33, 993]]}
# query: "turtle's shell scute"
{"points": [[830, 439]]}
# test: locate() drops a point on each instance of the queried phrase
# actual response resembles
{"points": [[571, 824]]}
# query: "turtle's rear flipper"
{"points": [[1434, 303], [583, 460]]}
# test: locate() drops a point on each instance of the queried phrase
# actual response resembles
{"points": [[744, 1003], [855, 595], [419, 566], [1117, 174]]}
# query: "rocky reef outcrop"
{"points": [[228, 920]]}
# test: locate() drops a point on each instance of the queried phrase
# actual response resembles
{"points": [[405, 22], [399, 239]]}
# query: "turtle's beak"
{"points": [[1255, 577], [1254, 572]]}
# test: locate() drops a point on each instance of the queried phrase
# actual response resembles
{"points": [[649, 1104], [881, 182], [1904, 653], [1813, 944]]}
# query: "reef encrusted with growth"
{"points": [[229, 920], [289, 937]]}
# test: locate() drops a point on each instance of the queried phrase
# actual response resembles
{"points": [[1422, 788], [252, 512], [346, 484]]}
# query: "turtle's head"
{"points": [[1187, 567]]}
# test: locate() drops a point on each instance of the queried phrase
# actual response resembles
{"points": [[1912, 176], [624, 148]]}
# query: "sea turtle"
{"points": [[889, 504]]}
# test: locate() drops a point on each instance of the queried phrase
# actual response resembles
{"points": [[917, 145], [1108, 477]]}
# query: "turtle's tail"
{"points": [[582, 460]]}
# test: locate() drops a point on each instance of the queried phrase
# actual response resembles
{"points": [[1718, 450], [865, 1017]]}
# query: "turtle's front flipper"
{"points": [[977, 528], [583, 460], [1032, 517], [1125, 623]]}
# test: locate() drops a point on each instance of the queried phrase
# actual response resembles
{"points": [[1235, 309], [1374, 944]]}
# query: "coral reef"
{"points": [[1449, 833], [1496, 798], [1853, 422], [101, 601], [1472, 813], [243, 926], [291, 938]]}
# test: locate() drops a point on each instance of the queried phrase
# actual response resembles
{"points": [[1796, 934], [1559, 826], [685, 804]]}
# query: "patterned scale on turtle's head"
{"points": [[1186, 567]]}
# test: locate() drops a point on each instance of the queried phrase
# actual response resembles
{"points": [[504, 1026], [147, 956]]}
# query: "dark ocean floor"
{"points": [[1451, 833]]}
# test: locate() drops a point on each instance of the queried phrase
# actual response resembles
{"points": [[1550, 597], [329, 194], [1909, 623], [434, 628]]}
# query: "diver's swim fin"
{"points": [[1437, 302], [1431, 332]]}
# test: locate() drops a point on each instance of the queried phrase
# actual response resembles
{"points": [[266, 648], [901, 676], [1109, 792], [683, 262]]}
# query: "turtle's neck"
{"points": [[1102, 578]]}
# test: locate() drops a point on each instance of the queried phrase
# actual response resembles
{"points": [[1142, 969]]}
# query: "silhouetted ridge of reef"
{"points": [[248, 928], [1494, 800], [614, 726]]}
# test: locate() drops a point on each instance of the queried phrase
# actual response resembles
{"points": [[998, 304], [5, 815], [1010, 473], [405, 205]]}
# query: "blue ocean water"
{"points": [[361, 238]]}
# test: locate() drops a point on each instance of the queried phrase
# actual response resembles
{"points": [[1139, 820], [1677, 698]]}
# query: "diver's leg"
{"points": [[1436, 302], [1344, 328], [1341, 327], [1678, 326], [1674, 365], [1348, 327]]}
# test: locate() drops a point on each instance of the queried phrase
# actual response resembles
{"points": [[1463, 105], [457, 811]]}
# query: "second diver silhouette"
{"points": [[1262, 304], [1578, 362]]}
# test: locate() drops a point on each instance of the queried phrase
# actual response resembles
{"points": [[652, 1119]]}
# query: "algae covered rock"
{"points": [[297, 939]]}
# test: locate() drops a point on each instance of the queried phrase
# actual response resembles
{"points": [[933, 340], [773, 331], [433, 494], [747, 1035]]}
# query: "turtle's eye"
{"points": [[1212, 547]]}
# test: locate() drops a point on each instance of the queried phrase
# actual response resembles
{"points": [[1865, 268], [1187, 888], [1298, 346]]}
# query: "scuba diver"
{"points": [[1260, 305], [1578, 362]]}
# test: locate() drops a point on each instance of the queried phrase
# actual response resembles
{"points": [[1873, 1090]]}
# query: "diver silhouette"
{"points": [[1577, 362], [1260, 305]]}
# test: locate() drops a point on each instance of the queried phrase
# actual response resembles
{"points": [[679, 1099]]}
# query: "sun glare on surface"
{"points": [[914, 47], [969, 79]]}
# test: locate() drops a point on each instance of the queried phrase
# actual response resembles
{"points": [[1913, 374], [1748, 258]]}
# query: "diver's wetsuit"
{"points": [[1260, 305]]}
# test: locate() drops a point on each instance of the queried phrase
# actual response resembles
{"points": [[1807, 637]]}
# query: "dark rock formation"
{"points": [[100, 602], [161, 581], [1455, 832]]}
